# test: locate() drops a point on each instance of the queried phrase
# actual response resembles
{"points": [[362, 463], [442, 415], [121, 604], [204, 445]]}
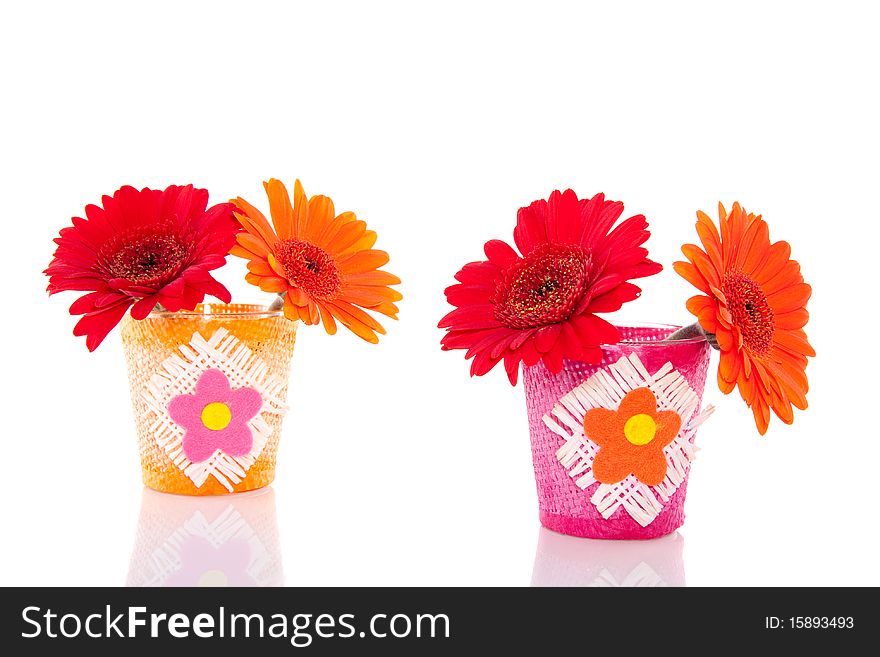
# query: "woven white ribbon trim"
{"points": [[606, 389], [178, 376]]}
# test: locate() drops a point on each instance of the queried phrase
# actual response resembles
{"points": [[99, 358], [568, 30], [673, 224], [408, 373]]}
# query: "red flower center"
{"points": [[542, 288], [309, 267], [143, 256], [751, 311]]}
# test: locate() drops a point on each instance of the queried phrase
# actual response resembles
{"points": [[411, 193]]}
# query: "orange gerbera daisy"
{"points": [[754, 302], [323, 264]]}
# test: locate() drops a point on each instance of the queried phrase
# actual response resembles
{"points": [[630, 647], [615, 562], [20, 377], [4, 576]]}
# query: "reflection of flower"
{"points": [[215, 417], [324, 264], [142, 248], [202, 564], [631, 439], [542, 305], [754, 302]]}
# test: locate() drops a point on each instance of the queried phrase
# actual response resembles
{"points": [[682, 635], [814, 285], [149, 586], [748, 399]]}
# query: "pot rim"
{"points": [[655, 343], [252, 309]]}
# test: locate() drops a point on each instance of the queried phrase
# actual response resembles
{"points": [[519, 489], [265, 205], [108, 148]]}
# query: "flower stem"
{"points": [[693, 331], [278, 303]]}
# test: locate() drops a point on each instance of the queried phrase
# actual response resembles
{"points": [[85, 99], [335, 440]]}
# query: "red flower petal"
{"points": [[500, 253]]}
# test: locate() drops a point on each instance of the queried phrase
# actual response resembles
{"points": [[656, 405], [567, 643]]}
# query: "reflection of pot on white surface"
{"points": [[207, 541], [562, 560]]}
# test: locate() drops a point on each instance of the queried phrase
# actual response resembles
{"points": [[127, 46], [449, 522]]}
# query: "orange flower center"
{"points": [[542, 288], [143, 257], [309, 267], [751, 311]]}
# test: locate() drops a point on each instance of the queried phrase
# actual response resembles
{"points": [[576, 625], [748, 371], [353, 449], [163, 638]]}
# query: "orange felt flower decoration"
{"points": [[631, 439], [322, 263], [754, 302]]}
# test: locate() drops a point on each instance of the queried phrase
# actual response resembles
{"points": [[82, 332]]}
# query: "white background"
{"points": [[435, 124]]}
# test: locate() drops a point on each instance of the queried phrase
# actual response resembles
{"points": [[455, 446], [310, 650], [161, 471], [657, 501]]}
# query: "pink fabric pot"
{"points": [[564, 506]]}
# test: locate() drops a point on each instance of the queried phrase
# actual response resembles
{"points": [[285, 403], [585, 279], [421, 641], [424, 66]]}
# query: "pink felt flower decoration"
{"points": [[215, 417]]}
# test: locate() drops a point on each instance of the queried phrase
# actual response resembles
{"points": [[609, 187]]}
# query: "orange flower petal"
{"points": [[314, 313], [253, 221], [327, 232], [782, 409], [789, 276], [790, 298], [689, 273], [291, 312], [746, 364], [725, 339], [701, 261], [724, 228], [699, 303], [327, 319], [276, 266], [321, 212], [367, 296], [651, 468], [610, 466], [792, 367], [254, 244], [725, 386], [756, 256], [729, 366], [710, 238], [300, 209], [242, 252], [280, 208], [352, 324], [761, 412], [347, 235], [794, 341], [366, 241], [640, 400], [791, 386], [303, 313], [294, 312], [779, 254], [747, 389], [268, 283], [358, 314], [668, 425], [793, 320], [363, 261], [385, 308], [260, 268], [601, 425], [298, 297], [708, 319]]}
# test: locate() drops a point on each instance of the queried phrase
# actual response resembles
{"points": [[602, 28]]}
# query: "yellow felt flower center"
{"points": [[216, 416], [640, 429]]}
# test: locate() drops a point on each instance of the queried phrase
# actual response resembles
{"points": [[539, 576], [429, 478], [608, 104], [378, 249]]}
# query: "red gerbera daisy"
{"points": [[542, 305], [142, 248]]}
